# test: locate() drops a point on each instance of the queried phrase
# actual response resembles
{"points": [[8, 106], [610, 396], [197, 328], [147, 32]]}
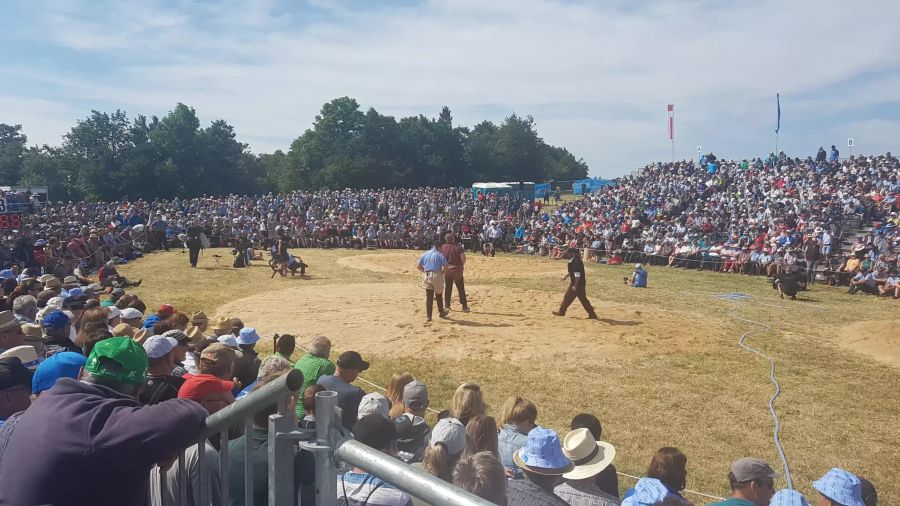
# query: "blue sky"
{"points": [[595, 75]]}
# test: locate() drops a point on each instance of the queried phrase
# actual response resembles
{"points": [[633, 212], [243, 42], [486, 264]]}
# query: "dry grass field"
{"points": [[661, 368]]}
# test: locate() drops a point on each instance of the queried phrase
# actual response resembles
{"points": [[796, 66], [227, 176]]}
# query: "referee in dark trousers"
{"points": [[576, 288], [456, 261]]}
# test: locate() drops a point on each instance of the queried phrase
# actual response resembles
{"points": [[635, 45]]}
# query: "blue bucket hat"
{"points": [[840, 486], [65, 364], [788, 497], [647, 492], [248, 335], [543, 454]]}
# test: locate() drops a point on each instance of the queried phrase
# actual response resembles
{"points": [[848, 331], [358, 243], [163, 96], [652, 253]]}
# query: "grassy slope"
{"points": [[838, 408]]}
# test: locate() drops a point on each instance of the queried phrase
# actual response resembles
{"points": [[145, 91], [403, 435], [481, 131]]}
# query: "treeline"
{"points": [[111, 157]]}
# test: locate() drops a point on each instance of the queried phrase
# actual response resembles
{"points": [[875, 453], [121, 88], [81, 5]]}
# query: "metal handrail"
{"points": [[253, 403]]}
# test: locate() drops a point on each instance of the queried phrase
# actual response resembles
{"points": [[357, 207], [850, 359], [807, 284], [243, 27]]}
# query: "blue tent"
{"points": [[591, 185]]}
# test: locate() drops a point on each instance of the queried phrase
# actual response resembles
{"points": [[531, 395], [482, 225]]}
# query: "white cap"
{"points": [[157, 346], [56, 302], [113, 312], [130, 313], [451, 433], [637, 266], [374, 404], [228, 340]]}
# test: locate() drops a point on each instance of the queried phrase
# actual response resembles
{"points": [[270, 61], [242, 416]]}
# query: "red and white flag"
{"points": [[671, 110]]}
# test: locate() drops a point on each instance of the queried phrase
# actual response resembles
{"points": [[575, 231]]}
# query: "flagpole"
{"points": [[673, 136]]}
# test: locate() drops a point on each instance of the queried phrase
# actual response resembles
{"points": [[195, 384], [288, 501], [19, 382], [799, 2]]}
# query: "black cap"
{"points": [[375, 431], [13, 373], [352, 360]]}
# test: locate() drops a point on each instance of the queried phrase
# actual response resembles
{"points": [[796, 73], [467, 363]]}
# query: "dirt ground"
{"points": [[878, 339], [505, 323], [478, 267]]}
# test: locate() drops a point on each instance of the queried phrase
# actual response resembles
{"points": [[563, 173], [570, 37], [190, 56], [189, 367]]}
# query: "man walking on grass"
{"points": [[576, 288], [432, 264]]}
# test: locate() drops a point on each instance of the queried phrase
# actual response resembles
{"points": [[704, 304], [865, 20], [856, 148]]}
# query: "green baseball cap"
{"points": [[118, 359], [107, 303]]}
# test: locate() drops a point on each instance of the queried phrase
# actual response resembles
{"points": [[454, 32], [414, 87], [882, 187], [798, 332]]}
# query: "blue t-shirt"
{"points": [[432, 260], [640, 278]]}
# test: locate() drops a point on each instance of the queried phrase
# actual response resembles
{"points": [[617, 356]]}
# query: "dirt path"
{"points": [[504, 323], [878, 339]]}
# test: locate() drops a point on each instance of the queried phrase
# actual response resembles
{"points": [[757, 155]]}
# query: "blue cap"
{"points": [[65, 364], [55, 320], [76, 292], [788, 497], [7, 274], [151, 321], [841, 487], [647, 492]]}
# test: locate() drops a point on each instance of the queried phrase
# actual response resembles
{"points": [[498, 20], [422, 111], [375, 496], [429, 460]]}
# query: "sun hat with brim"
{"points": [[788, 497], [65, 364], [199, 317], [118, 359], [45, 278], [841, 487], [542, 454], [587, 454], [25, 353], [123, 330], [8, 320], [647, 492], [247, 335], [13, 374], [70, 282], [52, 283], [32, 331], [141, 335], [222, 324], [194, 334]]}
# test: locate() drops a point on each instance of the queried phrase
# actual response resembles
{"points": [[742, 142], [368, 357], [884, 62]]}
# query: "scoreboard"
{"points": [[8, 220]]}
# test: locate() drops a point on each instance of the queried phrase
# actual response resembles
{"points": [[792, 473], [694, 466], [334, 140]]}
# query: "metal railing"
{"points": [[329, 445]]}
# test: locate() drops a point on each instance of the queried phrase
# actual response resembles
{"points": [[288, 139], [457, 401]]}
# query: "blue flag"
{"points": [[778, 102]]}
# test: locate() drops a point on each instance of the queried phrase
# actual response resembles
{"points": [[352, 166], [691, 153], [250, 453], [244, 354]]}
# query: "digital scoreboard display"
{"points": [[10, 221]]}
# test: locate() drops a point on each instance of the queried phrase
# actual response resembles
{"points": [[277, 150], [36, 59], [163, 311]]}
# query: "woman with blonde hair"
{"points": [[467, 402], [395, 392]]}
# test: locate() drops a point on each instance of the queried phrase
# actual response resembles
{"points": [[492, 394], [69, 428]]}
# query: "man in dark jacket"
{"points": [[103, 452], [577, 284]]}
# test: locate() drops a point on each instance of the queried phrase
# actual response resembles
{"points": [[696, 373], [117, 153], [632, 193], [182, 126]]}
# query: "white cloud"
{"points": [[267, 70]]}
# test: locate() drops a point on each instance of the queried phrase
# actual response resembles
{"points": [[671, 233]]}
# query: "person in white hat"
{"points": [[374, 403], [639, 277], [160, 385], [589, 457], [131, 316]]}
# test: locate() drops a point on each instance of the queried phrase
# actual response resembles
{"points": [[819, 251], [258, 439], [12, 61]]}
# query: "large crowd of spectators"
{"points": [[755, 217], [131, 388]]}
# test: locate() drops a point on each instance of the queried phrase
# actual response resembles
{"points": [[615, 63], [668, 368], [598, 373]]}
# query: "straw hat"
{"points": [[25, 353], [221, 323], [194, 334], [589, 455], [141, 335], [199, 317], [8, 320], [123, 329], [32, 331]]}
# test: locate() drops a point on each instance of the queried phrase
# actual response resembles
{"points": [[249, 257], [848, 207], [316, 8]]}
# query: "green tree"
{"points": [[12, 148]]}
